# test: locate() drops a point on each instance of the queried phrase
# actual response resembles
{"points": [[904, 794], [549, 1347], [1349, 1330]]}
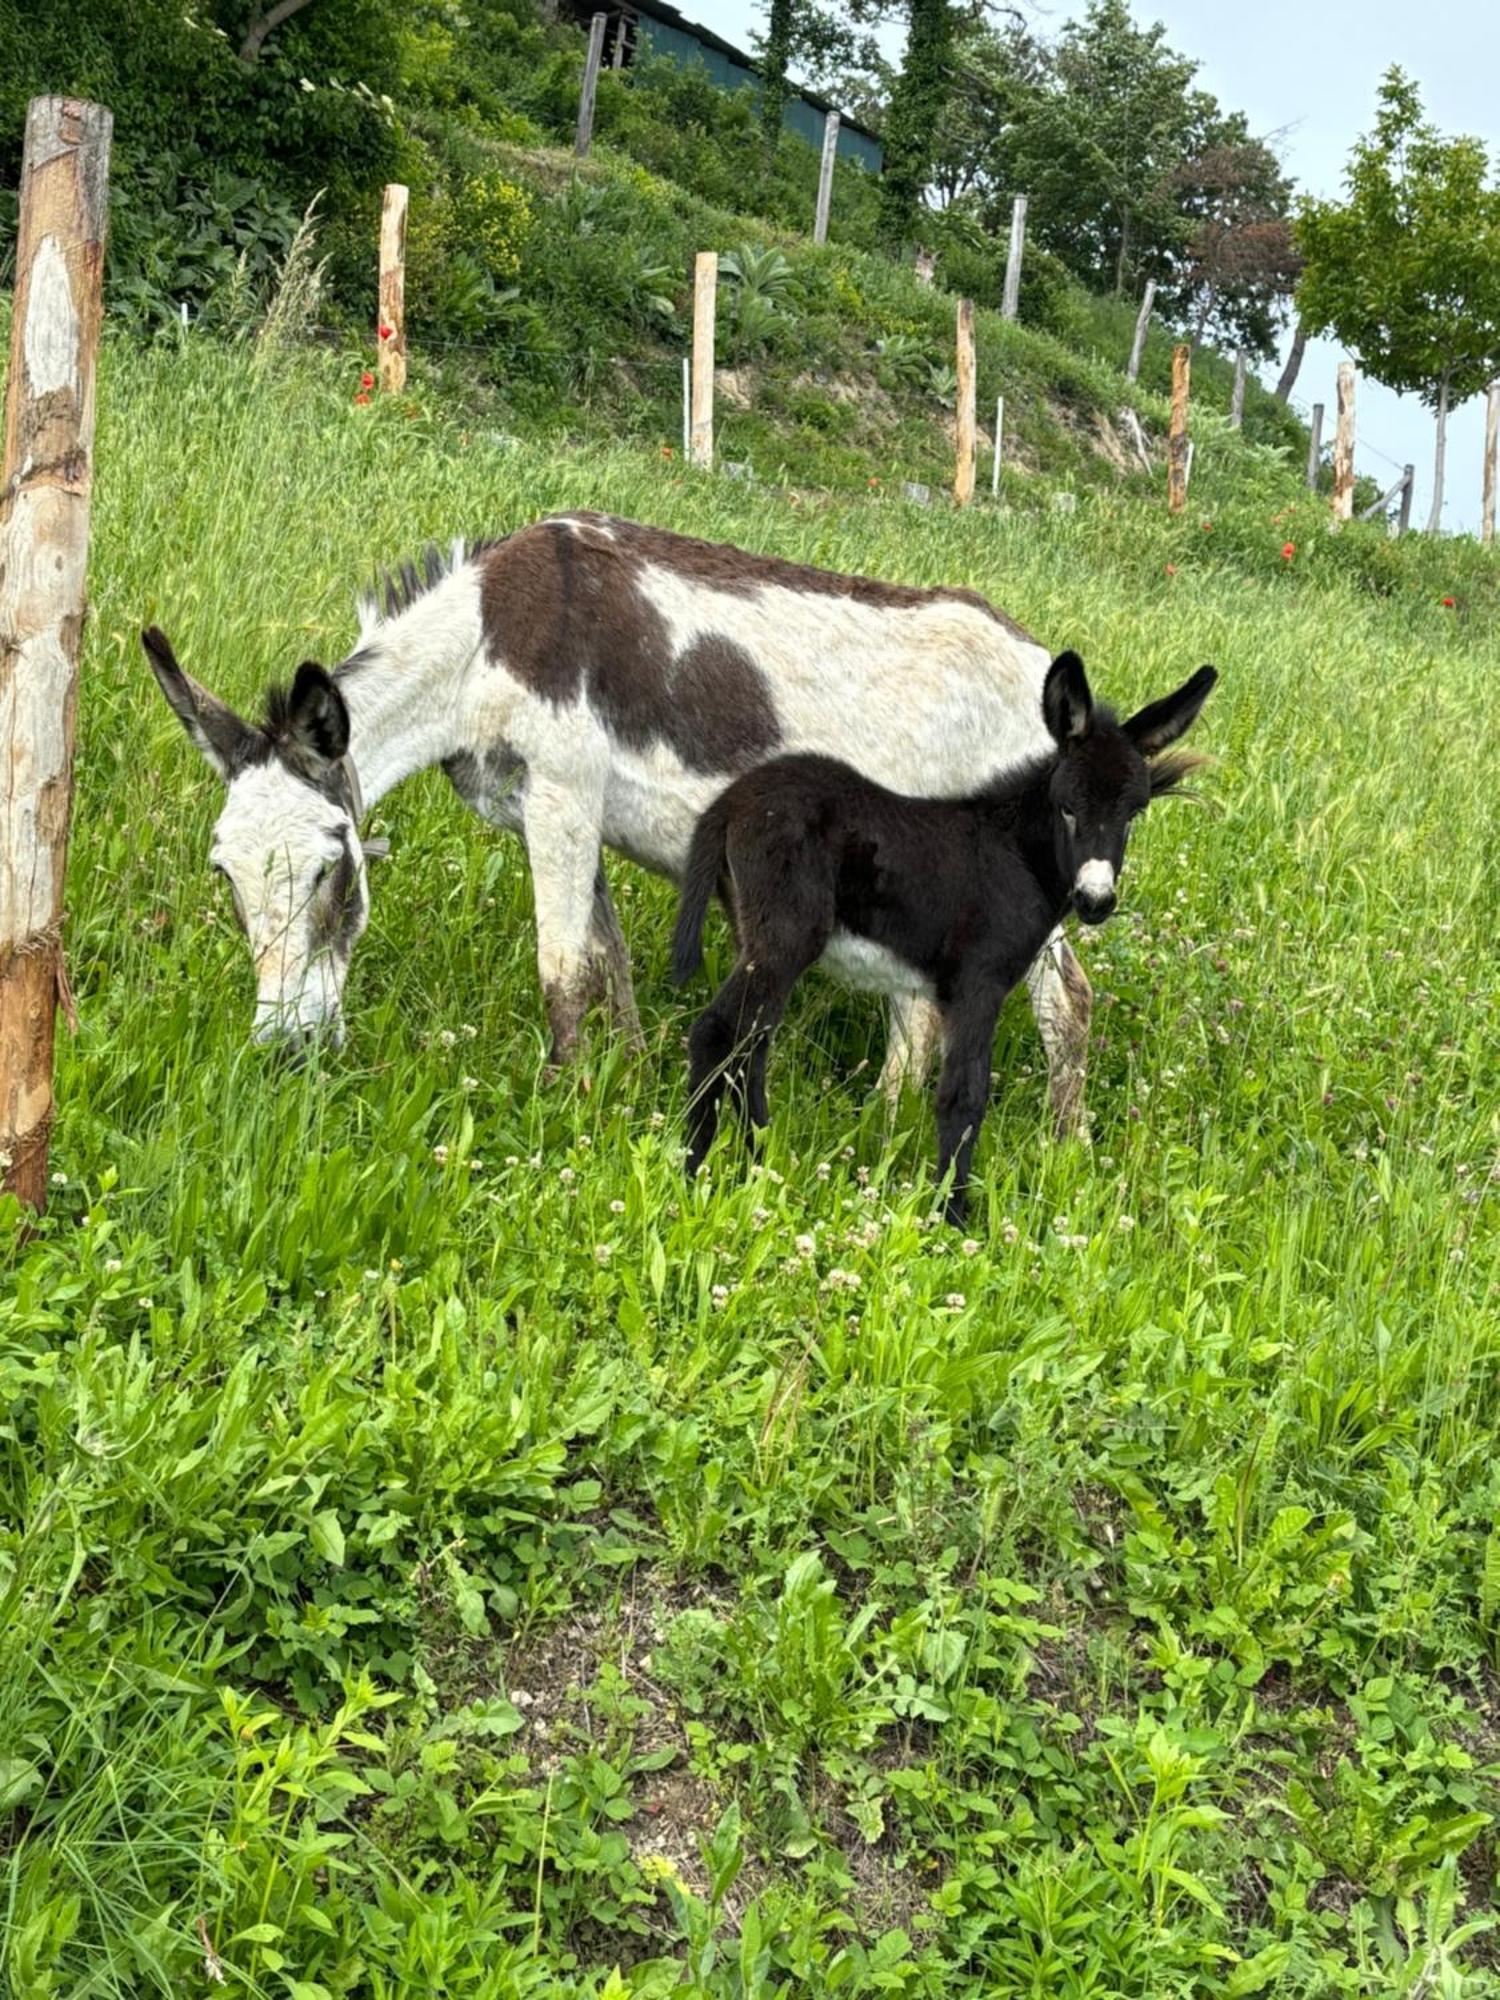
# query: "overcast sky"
{"points": [[1305, 72]]}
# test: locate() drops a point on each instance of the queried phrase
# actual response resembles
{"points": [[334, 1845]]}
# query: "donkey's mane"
{"points": [[396, 590]]}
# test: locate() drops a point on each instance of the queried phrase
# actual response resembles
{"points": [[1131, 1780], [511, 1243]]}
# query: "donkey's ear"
{"points": [[1067, 704], [225, 739], [1159, 723], [317, 720]]}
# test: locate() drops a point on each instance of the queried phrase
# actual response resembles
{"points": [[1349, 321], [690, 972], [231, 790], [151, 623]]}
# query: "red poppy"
{"points": [[1447, 603], [1171, 569], [367, 380], [387, 333], [361, 398], [1288, 550], [666, 451], [1207, 527]]}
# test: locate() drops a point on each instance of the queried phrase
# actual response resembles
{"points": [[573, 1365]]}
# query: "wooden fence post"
{"points": [[1142, 324], [1237, 393], [1343, 446], [1177, 437], [1011, 304], [963, 472], [825, 175], [1408, 488], [999, 433], [1379, 506], [590, 84], [1491, 453], [1315, 447], [46, 481], [392, 328], [705, 293]]}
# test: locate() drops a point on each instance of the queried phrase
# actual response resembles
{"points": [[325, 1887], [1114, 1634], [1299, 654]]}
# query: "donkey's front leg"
{"points": [[916, 1034], [1063, 1000], [964, 1088], [562, 826], [612, 961]]}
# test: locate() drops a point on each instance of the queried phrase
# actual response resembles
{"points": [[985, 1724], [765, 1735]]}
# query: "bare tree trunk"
{"points": [[1210, 298], [1123, 252], [1293, 366], [267, 24], [1435, 518]]}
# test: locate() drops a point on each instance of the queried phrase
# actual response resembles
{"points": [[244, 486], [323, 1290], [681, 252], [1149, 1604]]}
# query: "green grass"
{"points": [[443, 1554]]}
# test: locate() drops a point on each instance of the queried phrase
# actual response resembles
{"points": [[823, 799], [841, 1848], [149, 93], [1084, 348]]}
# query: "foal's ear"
{"points": [[1159, 723], [224, 738], [317, 721], [1067, 704]]}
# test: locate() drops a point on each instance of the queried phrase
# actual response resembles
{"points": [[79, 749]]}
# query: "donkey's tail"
{"points": [[705, 868]]}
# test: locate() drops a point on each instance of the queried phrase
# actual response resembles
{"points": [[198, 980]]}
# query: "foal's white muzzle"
{"points": [[1094, 891]]}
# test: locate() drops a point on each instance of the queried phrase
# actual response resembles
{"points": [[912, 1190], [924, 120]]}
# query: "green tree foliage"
{"points": [[1240, 262], [1097, 140], [918, 100], [1406, 270]]}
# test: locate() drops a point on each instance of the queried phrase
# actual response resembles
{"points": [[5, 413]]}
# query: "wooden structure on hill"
{"points": [[637, 28]]}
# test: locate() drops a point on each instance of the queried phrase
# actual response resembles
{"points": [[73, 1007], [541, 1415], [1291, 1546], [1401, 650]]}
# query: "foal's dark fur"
{"points": [[964, 892]]}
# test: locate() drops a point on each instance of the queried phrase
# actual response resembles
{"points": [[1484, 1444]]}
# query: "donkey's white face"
{"points": [[287, 840], [296, 873]]}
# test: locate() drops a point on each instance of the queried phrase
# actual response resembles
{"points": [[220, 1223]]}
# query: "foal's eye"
{"points": [[322, 875]]}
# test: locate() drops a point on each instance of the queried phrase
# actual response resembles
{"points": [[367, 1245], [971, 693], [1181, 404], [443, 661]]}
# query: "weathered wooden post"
{"points": [[1343, 446], [963, 472], [590, 85], [999, 433], [46, 481], [825, 175], [1237, 393], [1491, 452], [1011, 303], [705, 293], [1408, 491], [392, 328], [1177, 437], [687, 409], [1314, 447], [1142, 325]]}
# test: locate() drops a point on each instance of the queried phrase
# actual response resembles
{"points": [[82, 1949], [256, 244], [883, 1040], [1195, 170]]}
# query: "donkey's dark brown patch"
{"points": [[720, 714], [565, 607], [563, 604]]}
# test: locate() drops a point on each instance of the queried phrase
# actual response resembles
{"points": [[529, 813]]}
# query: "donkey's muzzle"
{"points": [[1093, 906]]}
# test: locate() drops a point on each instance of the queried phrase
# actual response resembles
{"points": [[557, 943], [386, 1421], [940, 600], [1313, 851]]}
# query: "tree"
{"points": [[1406, 271], [1095, 142], [1241, 261], [822, 41], [266, 23], [774, 53], [918, 100]]}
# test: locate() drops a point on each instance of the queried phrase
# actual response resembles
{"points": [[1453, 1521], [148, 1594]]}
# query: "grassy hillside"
{"points": [[835, 364], [443, 1554]]}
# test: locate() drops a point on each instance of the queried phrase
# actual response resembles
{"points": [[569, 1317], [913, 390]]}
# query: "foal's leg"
{"points": [[964, 1088], [916, 1032], [562, 825], [1062, 1000], [728, 1046], [611, 963]]}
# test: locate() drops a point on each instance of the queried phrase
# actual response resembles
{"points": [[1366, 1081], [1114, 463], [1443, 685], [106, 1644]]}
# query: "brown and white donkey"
{"points": [[590, 681]]}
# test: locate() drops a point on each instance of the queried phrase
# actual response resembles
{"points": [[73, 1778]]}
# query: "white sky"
{"points": [[1305, 73]]}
